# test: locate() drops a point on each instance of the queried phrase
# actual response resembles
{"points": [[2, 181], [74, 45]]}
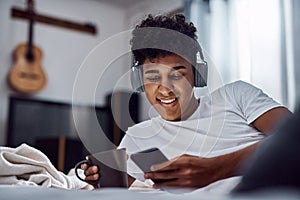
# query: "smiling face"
{"points": [[169, 85]]}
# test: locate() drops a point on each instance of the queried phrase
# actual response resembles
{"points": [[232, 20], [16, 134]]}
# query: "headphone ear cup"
{"points": [[201, 74], [136, 78]]}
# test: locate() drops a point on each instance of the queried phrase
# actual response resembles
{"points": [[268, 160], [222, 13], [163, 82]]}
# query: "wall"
{"points": [[65, 50]]}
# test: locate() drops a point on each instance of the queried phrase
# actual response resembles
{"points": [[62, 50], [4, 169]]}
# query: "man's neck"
{"points": [[193, 106]]}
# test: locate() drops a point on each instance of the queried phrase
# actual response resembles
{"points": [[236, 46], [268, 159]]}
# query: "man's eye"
{"points": [[176, 76], [154, 79]]}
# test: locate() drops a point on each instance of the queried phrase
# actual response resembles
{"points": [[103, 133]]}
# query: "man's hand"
{"points": [[187, 170], [91, 174], [197, 172]]}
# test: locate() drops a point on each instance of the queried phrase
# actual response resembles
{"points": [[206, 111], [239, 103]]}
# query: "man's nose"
{"points": [[165, 86]]}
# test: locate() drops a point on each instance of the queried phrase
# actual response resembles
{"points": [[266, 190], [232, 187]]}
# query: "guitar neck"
{"points": [[29, 54]]}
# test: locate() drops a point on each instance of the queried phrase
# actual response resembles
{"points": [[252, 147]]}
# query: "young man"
{"points": [[206, 139]]}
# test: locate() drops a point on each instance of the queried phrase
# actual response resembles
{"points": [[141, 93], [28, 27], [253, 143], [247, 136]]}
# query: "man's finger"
{"points": [[94, 177], [171, 183], [161, 175], [91, 170], [162, 166], [84, 166]]}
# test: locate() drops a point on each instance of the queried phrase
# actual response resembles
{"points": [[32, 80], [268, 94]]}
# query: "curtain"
{"points": [[249, 40]]}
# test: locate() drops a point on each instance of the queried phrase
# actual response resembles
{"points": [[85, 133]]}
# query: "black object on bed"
{"points": [[276, 164]]}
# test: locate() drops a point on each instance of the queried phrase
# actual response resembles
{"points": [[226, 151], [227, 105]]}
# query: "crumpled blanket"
{"points": [[26, 165]]}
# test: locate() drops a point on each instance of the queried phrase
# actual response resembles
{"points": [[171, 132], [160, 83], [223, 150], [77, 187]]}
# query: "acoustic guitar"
{"points": [[27, 75]]}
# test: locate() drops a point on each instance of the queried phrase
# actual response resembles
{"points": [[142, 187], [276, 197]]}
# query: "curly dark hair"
{"points": [[161, 35]]}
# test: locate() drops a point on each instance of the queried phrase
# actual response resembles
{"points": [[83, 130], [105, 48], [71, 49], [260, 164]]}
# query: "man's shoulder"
{"points": [[238, 84], [235, 86], [230, 92]]}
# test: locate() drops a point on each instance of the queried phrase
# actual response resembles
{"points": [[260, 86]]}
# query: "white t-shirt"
{"points": [[220, 125]]}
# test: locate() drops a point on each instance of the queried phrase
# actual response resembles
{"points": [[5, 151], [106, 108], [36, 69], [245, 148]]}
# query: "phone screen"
{"points": [[145, 159]]}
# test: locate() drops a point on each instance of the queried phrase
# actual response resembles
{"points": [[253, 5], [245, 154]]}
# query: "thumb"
{"points": [[160, 166]]}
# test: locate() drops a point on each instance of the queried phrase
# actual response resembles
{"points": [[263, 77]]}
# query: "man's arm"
{"points": [[193, 171], [264, 123], [271, 119]]}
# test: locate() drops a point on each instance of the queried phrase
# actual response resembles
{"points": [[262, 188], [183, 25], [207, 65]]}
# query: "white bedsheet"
{"points": [[26, 165], [26, 173], [42, 193]]}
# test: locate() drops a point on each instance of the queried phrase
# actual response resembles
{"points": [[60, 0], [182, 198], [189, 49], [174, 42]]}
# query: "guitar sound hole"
{"points": [[31, 76]]}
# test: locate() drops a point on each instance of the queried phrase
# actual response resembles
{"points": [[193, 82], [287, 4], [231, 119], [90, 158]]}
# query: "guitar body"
{"points": [[27, 76]]}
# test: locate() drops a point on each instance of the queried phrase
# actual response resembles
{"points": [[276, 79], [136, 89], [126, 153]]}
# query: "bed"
{"points": [[45, 182], [14, 192]]}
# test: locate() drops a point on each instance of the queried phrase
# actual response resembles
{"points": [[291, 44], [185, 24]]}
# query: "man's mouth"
{"points": [[167, 101]]}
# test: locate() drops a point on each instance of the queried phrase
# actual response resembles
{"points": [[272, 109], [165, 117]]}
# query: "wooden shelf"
{"points": [[83, 27]]}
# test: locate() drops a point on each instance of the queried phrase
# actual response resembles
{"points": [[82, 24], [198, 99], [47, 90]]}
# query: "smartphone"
{"points": [[145, 159]]}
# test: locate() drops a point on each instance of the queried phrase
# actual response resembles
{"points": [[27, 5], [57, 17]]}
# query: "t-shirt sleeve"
{"points": [[252, 101]]}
